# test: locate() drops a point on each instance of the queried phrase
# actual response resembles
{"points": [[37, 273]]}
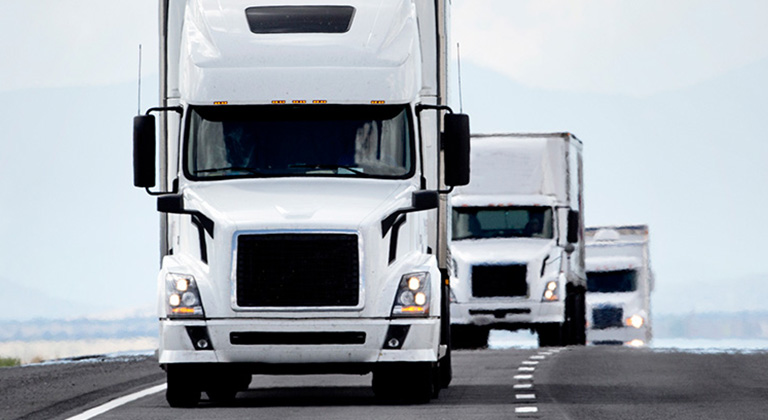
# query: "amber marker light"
{"points": [[319, 101], [278, 101], [377, 102], [298, 101], [220, 102]]}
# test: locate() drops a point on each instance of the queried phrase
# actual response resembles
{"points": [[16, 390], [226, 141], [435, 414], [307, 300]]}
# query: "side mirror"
{"points": [[170, 204], [425, 200], [144, 151], [573, 226], [456, 149]]}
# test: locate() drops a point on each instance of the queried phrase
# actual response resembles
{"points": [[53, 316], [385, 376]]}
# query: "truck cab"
{"points": [[619, 285], [302, 193], [517, 242]]}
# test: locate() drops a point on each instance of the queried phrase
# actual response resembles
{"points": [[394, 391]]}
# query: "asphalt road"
{"points": [[572, 383]]}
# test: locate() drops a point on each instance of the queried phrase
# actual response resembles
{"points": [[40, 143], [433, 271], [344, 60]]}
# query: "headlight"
{"points": [[635, 321], [412, 297], [182, 296], [550, 292]]}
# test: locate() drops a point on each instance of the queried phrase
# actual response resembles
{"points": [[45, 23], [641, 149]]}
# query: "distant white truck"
{"points": [[619, 283], [518, 241]]}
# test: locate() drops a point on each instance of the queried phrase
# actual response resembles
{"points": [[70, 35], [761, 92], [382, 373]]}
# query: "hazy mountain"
{"points": [[19, 302]]}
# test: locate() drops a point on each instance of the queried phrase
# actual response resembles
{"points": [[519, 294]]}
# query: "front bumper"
{"points": [[619, 335], [421, 343], [519, 313]]}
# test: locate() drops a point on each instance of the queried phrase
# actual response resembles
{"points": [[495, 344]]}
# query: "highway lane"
{"points": [[626, 383], [482, 388], [574, 383], [65, 388]]}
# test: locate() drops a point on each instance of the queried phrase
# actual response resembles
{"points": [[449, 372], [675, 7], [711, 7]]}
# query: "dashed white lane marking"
{"points": [[118, 402], [524, 376], [523, 386], [537, 357], [525, 396], [526, 410], [530, 362], [526, 369]]}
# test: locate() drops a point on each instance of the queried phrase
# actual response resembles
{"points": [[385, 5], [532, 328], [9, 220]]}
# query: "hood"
{"points": [[507, 250], [298, 203]]}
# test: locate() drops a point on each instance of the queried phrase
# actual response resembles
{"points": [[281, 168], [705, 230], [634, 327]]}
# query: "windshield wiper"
{"points": [[229, 168], [326, 166]]}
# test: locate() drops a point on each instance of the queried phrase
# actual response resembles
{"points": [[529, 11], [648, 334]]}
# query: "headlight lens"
{"points": [[182, 296], [636, 321], [550, 292], [412, 298]]}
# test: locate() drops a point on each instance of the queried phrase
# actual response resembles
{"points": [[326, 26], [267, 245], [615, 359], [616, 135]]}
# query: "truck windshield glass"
{"points": [[612, 281], [502, 222], [324, 140]]}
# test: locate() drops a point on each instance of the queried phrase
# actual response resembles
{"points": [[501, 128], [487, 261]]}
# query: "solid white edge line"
{"points": [[93, 412]]}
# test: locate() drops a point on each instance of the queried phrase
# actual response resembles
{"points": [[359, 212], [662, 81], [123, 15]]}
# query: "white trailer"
{"points": [[517, 242], [619, 285], [302, 191]]}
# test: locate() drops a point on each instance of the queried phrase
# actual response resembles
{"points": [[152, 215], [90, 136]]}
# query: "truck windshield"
{"points": [[502, 222], [612, 281], [310, 140]]}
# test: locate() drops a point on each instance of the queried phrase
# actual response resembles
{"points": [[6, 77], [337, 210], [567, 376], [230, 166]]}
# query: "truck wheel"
{"points": [[224, 387], [404, 382], [445, 370], [575, 326], [469, 336], [550, 334], [182, 391]]}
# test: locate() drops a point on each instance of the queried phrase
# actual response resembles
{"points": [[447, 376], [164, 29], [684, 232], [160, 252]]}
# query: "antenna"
{"points": [[138, 107], [458, 59]]}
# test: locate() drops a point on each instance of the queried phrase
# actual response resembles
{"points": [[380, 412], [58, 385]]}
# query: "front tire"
{"points": [[469, 336], [183, 390], [411, 383], [550, 334]]}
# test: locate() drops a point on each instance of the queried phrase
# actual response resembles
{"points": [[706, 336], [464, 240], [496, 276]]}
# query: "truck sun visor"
{"points": [[299, 19]]}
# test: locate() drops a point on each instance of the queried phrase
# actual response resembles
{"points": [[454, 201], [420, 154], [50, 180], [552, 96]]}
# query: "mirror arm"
{"points": [[421, 107], [178, 109]]}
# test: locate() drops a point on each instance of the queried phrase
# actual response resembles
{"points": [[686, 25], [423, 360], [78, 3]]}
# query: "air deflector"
{"points": [[299, 19]]}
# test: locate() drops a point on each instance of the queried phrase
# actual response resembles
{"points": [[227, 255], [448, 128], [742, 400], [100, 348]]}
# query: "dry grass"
{"points": [[9, 361]]}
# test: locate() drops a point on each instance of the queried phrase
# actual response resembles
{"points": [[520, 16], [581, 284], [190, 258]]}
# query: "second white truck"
{"points": [[619, 283], [518, 241]]}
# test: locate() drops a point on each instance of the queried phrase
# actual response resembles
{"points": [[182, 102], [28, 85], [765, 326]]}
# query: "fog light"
{"points": [[393, 343], [202, 343]]}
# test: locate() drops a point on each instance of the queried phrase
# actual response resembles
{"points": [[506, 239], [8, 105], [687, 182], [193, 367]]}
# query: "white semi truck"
{"points": [[619, 285], [517, 240], [305, 154]]}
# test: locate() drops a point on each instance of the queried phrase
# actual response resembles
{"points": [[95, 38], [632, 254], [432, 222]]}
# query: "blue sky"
{"points": [[669, 100]]}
